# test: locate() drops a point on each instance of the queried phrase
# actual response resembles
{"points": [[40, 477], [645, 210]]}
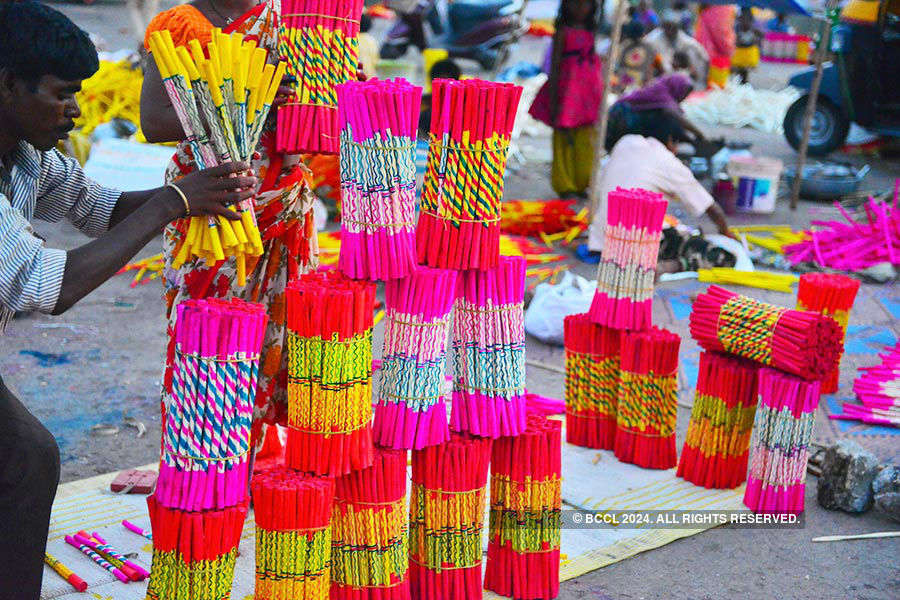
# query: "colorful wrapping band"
{"points": [[411, 410], [779, 451], [592, 382], [471, 125], [526, 500], [625, 276], [648, 399], [329, 374], [489, 351], [379, 121], [718, 437]]}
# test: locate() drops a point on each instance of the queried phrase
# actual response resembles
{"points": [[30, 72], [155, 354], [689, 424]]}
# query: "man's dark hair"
{"points": [[36, 40], [445, 69], [662, 126]]}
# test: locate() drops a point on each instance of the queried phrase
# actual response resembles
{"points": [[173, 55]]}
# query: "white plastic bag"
{"points": [[553, 303]]}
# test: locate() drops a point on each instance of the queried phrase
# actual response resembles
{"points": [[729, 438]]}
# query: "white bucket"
{"points": [[756, 182]]}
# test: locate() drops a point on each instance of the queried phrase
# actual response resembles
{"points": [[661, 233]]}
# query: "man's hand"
{"points": [[211, 191]]}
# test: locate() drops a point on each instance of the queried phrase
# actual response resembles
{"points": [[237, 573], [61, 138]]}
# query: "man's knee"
{"points": [[31, 469]]}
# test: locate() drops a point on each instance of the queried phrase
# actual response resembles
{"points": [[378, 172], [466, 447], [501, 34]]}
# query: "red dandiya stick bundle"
{"points": [[804, 343], [369, 548], [489, 351], [329, 322], [318, 39], [446, 516], [293, 535], [779, 452], [648, 399], [718, 437], [526, 500], [471, 125], [592, 382], [193, 552], [833, 296], [379, 121], [624, 295], [411, 412]]}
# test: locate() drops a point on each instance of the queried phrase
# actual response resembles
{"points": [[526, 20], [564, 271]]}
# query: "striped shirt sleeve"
{"points": [[30, 274]]}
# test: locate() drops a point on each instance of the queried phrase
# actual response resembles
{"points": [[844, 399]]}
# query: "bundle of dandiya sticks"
{"points": [[319, 40], [411, 412], [718, 437], [833, 296], [489, 351], [526, 499], [878, 388], [459, 222], [379, 122], [804, 343], [293, 534], [625, 276], [780, 449], [206, 436], [369, 550], [193, 552], [446, 516], [648, 399], [329, 373], [592, 382], [222, 103]]}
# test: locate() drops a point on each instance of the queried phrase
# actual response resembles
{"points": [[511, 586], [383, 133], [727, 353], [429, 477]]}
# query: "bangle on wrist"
{"points": [[187, 206]]}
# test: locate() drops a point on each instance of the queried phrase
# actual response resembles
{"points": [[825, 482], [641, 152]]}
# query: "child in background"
{"points": [[570, 99], [442, 69], [368, 47], [747, 40]]}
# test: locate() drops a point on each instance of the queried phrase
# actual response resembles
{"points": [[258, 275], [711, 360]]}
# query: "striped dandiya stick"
{"points": [[832, 295], [525, 515], [446, 516], [489, 351], [592, 382], [648, 399], [319, 41], [806, 344], [459, 220], [293, 534], [717, 446], [379, 121], [193, 552], [329, 373], [624, 295], [779, 451], [369, 546]]}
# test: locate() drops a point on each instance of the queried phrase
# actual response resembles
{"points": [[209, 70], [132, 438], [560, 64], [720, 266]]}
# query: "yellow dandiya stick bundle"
{"points": [[778, 282]]}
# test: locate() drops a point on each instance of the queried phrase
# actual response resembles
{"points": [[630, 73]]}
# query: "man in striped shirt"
{"points": [[43, 59]]}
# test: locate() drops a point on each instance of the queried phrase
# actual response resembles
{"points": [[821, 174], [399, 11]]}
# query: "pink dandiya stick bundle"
{"points": [[379, 121], [489, 351], [878, 388], [459, 221], [411, 412], [206, 436], [627, 268], [780, 449]]}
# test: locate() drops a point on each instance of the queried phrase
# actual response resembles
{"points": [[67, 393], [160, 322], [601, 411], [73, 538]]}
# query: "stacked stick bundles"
{"points": [[318, 38], [625, 276], [329, 373], [379, 121], [524, 533], [293, 535], [193, 552], [803, 343], [446, 515], [411, 412], [648, 399], [471, 124], [718, 437], [222, 103], [832, 295], [489, 351], [592, 382], [206, 436], [878, 388], [369, 550], [780, 448]]}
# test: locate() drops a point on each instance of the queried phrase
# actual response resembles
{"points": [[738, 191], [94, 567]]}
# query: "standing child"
{"points": [[570, 99], [747, 39]]}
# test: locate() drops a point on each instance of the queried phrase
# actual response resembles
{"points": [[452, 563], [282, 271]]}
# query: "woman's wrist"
{"points": [[171, 203]]}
